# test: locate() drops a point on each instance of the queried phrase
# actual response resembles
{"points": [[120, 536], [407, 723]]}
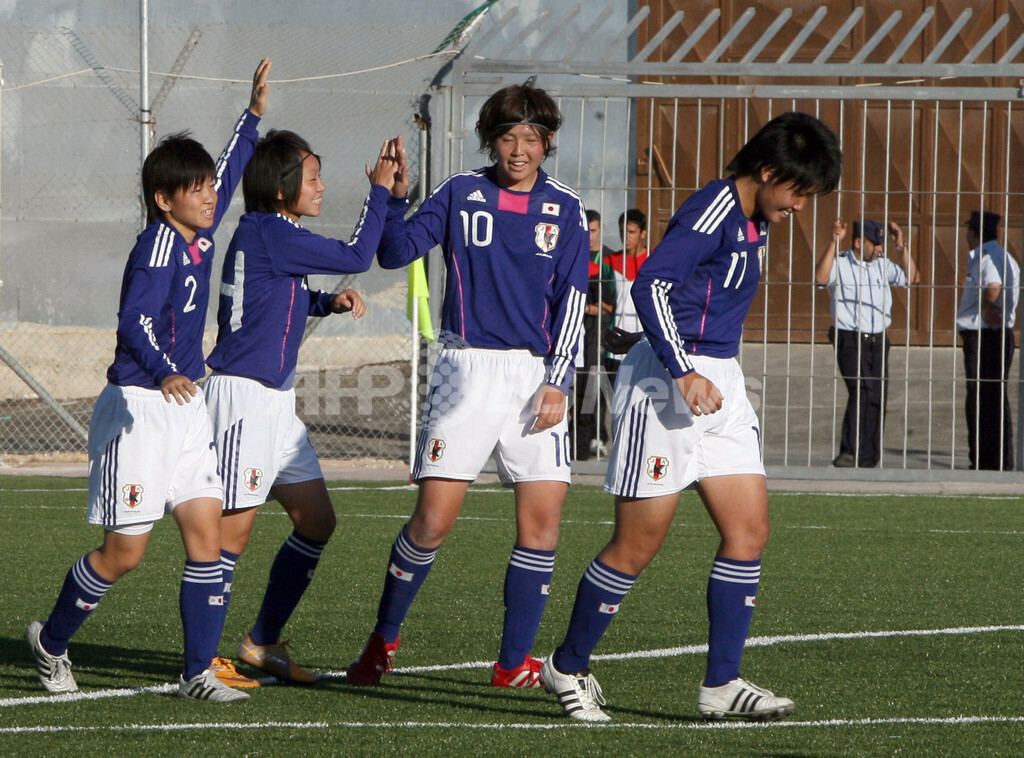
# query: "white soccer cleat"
{"points": [[579, 694], [741, 699], [206, 686], [54, 670]]}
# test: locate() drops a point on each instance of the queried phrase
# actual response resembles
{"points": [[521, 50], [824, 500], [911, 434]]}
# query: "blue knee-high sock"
{"points": [[227, 568], [731, 592], [201, 602], [408, 566], [527, 586], [290, 575], [598, 597], [83, 588]]}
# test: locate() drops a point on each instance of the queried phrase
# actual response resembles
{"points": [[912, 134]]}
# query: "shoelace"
{"points": [[592, 690], [61, 670]]}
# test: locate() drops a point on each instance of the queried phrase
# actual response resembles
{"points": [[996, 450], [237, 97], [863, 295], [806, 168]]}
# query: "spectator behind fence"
{"points": [[988, 310], [591, 434], [626, 264], [860, 279]]}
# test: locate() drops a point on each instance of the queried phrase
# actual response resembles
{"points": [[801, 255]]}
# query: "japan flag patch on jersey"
{"points": [[550, 209], [609, 608], [546, 237]]}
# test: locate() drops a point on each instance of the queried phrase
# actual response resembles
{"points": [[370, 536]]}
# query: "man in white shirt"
{"points": [[860, 280], [988, 310]]}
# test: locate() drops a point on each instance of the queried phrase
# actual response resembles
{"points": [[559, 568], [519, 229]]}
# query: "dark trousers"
{"points": [[590, 396], [864, 365], [988, 354]]}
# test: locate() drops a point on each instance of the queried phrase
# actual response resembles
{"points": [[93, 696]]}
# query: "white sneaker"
{"points": [[579, 694], [54, 670], [741, 699], [206, 686]]}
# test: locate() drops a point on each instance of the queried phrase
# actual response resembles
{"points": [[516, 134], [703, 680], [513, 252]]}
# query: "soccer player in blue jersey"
{"points": [[682, 416], [262, 446], [150, 439], [515, 243]]}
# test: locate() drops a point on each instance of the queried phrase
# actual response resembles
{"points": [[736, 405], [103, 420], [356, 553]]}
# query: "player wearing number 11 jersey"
{"points": [[682, 416], [516, 248]]}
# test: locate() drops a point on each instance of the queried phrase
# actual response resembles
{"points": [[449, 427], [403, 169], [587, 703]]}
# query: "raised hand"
{"points": [[260, 88]]}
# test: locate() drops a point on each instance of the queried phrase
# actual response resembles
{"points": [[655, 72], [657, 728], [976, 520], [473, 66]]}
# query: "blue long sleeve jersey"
{"points": [[166, 285], [517, 264], [264, 296], [694, 291]]}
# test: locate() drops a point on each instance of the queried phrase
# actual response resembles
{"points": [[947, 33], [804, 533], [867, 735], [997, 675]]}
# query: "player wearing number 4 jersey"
{"points": [[150, 439], [263, 448], [682, 416], [515, 243]]}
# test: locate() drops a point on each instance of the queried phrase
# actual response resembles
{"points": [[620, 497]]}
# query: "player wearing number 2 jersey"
{"points": [[515, 243], [682, 416], [150, 438]]}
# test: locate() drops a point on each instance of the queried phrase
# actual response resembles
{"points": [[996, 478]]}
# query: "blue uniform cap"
{"points": [[873, 231]]}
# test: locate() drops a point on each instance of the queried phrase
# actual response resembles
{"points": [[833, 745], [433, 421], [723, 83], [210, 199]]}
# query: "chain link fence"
{"points": [[71, 207]]}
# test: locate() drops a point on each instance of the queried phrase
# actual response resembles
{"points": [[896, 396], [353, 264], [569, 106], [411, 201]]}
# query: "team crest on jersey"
{"points": [[657, 467], [253, 478], [546, 236], [132, 495], [435, 449], [550, 209], [476, 196]]}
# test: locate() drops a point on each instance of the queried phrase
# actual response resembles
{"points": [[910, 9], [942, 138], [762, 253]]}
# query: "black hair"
{"points": [[514, 105], [632, 216], [797, 149], [275, 169], [593, 215], [177, 163]]}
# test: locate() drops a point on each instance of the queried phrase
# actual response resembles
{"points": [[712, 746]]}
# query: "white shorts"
{"points": [[260, 441], [481, 402], [660, 446], [147, 456]]}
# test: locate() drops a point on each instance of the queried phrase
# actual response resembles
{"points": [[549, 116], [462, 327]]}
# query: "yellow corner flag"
{"points": [[418, 289]]}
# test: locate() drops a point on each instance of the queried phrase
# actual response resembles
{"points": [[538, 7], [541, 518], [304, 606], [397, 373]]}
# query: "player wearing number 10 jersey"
{"points": [[516, 248]]}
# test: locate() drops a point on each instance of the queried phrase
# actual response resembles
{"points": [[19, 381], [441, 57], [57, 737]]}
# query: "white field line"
{"points": [[547, 727], [669, 652]]}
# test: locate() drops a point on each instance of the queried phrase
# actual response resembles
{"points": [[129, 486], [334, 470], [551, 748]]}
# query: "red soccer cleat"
{"points": [[525, 676], [374, 661]]}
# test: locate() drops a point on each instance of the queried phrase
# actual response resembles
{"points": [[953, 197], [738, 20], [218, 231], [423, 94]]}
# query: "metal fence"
{"points": [[928, 113], [71, 112], [654, 105]]}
